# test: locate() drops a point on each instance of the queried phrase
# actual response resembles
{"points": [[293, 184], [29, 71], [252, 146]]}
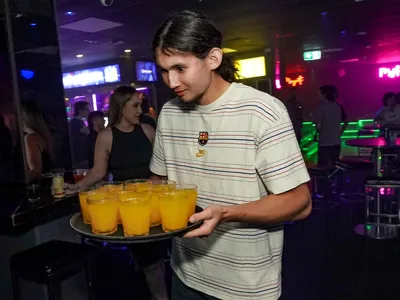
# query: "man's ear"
{"points": [[214, 58]]}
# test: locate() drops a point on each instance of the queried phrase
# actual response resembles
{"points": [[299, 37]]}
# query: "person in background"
{"points": [[145, 117], [295, 110], [125, 149], [78, 133], [38, 141], [328, 119], [96, 124], [238, 146], [389, 114]]}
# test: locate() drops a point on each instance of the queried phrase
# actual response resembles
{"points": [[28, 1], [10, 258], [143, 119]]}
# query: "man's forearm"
{"points": [[272, 209]]}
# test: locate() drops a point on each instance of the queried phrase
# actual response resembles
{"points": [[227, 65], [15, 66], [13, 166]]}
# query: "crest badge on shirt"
{"points": [[202, 141]]}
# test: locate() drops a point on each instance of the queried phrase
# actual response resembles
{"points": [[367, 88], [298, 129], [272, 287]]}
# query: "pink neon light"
{"points": [[390, 73], [278, 84]]}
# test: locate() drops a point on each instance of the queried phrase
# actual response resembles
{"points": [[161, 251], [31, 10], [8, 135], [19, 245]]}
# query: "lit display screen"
{"points": [[251, 67], [146, 71], [88, 77]]}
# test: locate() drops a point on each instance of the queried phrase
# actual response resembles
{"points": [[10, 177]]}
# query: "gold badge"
{"points": [[202, 141]]}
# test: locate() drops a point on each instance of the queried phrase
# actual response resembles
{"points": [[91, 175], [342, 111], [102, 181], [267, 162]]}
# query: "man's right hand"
{"points": [[70, 189]]}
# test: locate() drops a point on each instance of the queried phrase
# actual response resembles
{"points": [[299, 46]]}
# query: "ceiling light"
{"points": [[228, 50], [33, 24], [69, 13], [128, 50], [79, 55]]}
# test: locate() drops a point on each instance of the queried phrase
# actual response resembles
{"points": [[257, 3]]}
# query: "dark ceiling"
{"points": [[366, 30]]}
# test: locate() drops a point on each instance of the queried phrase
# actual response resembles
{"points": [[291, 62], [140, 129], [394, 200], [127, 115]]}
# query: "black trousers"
{"points": [[328, 155]]}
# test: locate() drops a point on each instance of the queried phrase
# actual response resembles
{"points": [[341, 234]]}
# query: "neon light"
{"points": [[390, 73], [94, 102], [141, 89], [278, 84], [294, 82], [27, 74]]}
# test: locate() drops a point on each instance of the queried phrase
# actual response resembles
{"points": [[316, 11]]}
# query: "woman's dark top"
{"points": [[90, 145], [130, 154]]}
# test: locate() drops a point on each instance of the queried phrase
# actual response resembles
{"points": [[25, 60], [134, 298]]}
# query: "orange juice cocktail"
{"points": [[83, 194], [137, 185], [156, 188], [103, 212], [192, 196], [174, 209], [135, 211]]}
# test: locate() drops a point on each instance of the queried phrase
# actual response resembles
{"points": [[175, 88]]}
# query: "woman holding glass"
{"points": [[125, 149]]}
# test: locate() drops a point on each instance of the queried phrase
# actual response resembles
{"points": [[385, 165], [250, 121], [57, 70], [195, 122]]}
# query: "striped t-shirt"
{"points": [[247, 130]]}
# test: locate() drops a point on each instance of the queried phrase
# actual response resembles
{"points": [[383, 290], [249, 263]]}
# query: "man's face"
{"points": [[85, 111], [98, 123], [188, 76]]}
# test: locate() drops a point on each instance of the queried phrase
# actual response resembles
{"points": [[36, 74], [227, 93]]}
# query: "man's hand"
{"points": [[211, 217], [70, 189]]}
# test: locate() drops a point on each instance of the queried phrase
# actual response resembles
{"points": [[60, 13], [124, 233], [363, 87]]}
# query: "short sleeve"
{"points": [[278, 158], [157, 164]]}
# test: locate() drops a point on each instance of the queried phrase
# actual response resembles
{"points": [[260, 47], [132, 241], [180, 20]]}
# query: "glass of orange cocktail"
{"points": [[112, 187], [83, 194], [135, 211], [174, 209], [138, 185], [192, 196], [103, 212], [156, 188]]}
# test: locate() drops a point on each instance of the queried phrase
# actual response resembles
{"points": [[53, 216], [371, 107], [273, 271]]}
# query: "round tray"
{"points": [[156, 233]]}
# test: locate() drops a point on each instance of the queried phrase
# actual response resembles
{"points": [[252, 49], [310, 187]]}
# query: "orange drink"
{"points": [[103, 212], [83, 193], [157, 187], [138, 185], [135, 212], [174, 209], [112, 186], [192, 197]]}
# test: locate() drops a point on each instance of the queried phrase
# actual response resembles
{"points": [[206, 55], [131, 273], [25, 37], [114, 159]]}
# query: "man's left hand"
{"points": [[211, 217]]}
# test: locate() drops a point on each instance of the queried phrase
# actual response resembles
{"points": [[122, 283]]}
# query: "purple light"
{"points": [[88, 77], [141, 89], [94, 102], [343, 31], [324, 13]]}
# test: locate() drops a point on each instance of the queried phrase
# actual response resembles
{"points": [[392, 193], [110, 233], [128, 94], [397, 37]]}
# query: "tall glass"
{"points": [[83, 194], [135, 213], [156, 188], [79, 174], [138, 185], [192, 196], [174, 209], [103, 212], [111, 187]]}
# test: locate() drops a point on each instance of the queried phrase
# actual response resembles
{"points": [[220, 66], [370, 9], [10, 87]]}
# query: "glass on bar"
{"points": [[103, 212], [174, 209], [192, 196], [111, 187], [138, 185], [83, 194], [79, 174], [135, 211]]}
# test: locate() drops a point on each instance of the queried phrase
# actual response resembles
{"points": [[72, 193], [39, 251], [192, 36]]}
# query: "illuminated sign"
{"points": [[390, 73], [312, 55], [251, 67], [294, 82], [88, 77]]}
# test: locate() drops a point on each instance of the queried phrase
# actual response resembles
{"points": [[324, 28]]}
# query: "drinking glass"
{"points": [[138, 185], [79, 174], [111, 187], [135, 213], [83, 194], [103, 212], [174, 209], [155, 188], [192, 196]]}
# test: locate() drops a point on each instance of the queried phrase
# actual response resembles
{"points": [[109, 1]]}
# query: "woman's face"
{"points": [[132, 110]]}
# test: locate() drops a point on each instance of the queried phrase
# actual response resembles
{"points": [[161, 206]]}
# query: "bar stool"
{"points": [[382, 207], [48, 264]]}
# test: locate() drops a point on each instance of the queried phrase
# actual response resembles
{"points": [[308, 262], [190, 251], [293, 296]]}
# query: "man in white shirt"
{"points": [[389, 114], [238, 146]]}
